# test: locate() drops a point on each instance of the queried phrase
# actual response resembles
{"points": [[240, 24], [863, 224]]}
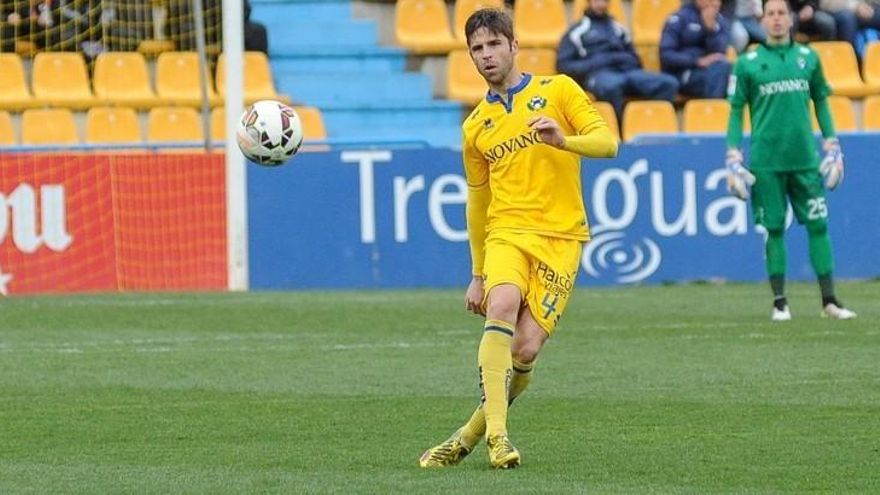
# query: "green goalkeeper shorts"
{"points": [[773, 190]]}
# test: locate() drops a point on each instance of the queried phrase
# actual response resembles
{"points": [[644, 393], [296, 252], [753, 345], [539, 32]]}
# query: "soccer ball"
{"points": [[269, 133]]}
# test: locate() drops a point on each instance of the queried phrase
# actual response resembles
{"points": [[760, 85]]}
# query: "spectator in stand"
{"points": [[844, 14], [746, 26], [693, 49], [255, 36], [28, 20], [811, 21], [597, 53]]}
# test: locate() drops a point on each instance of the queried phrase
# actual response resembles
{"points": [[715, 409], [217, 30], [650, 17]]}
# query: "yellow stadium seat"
{"points": [[312, 122], [178, 82], [463, 10], [60, 79], [871, 65], [615, 9], [842, 69], [422, 26], [872, 113], [48, 126], [174, 124], [218, 124], [539, 23], [14, 93], [7, 133], [258, 81], [541, 61], [121, 78], [706, 115], [648, 18], [112, 125], [648, 117], [842, 114], [463, 82], [606, 110], [650, 56]]}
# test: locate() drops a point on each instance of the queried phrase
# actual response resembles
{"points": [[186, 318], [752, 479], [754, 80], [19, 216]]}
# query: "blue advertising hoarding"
{"points": [[659, 212]]}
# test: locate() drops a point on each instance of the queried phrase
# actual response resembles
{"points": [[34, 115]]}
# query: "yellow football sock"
{"points": [[475, 428], [495, 373]]}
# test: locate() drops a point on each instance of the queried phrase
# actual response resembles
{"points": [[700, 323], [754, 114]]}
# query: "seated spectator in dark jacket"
{"points": [[693, 48], [255, 37], [813, 22], [597, 52]]}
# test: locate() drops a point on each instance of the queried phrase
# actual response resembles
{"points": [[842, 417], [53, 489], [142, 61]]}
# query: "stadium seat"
{"points": [[61, 79], [650, 56], [842, 114], [218, 124], [871, 114], [258, 81], [606, 110], [541, 61], [178, 82], [418, 34], [14, 93], [463, 10], [7, 133], [615, 9], [111, 125], [706, 115], [871, 65], [648, 18], [842, 69], [463, 82], [121, 78], [648, 117], [539, 23], [174, 124], [312, 122], [48, 126]]}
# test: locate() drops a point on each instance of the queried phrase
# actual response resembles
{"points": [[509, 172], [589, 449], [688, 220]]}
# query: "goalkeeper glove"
{"points": [[739, 179], [832, 164]]}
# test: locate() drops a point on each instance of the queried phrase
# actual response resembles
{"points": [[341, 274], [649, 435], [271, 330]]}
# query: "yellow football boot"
{"points": [[502, 453], [448, 453]]}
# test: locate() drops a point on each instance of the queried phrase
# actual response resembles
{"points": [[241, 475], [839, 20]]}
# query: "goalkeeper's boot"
{"points": [[780, 310], [833, 309], [448, 453], [502, 453]]}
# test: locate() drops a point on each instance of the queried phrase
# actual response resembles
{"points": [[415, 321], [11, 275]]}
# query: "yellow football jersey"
{"points": [[534, 187]]}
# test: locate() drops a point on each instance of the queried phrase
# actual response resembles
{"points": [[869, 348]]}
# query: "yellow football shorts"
{"points": [[544, 268]]}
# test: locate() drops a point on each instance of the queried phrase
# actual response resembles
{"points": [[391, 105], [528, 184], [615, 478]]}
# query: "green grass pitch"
{"points": [[677, 389]]}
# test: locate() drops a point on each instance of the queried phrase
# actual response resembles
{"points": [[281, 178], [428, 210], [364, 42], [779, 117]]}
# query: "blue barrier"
{"points": [[659, 212]]}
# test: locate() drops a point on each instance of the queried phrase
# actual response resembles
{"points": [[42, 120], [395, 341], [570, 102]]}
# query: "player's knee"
{"points": [[776, 233], [816, 229], [525, 352], [503, 307]]}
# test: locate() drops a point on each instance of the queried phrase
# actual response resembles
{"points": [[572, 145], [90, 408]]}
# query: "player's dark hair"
{"points": [[787, 4], [496, 21]]}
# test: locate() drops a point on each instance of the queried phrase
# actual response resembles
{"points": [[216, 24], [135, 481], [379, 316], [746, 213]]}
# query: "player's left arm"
{"points": [[831, 166], [592, 138]]}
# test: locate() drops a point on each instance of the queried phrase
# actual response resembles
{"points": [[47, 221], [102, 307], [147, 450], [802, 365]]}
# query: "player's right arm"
{"points": [[739, 179], [479, 195], [738, 96]]}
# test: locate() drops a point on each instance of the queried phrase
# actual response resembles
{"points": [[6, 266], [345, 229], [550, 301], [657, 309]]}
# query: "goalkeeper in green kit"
{"points": [[777, 82]]}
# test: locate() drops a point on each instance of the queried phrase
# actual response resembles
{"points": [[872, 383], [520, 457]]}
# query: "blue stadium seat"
{"points": [[337, 59], [321, 89]]}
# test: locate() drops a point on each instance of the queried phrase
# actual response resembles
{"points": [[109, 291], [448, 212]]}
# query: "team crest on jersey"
{"points": [[802, 62], [488, 124], [536, 103]]}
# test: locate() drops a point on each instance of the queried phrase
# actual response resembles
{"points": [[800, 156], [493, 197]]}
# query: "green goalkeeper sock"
{"points": [[775, 251], [820, 251]]}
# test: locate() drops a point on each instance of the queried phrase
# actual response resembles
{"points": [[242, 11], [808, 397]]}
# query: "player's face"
{"points": [[777, 19], [599, 7], [493, 54]]}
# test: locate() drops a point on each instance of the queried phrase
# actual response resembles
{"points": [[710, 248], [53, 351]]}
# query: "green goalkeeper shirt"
{"points": [[777, 83]]}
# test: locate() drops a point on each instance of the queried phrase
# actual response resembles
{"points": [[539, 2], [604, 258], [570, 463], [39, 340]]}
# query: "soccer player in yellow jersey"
{"points": [[526, 222]]}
